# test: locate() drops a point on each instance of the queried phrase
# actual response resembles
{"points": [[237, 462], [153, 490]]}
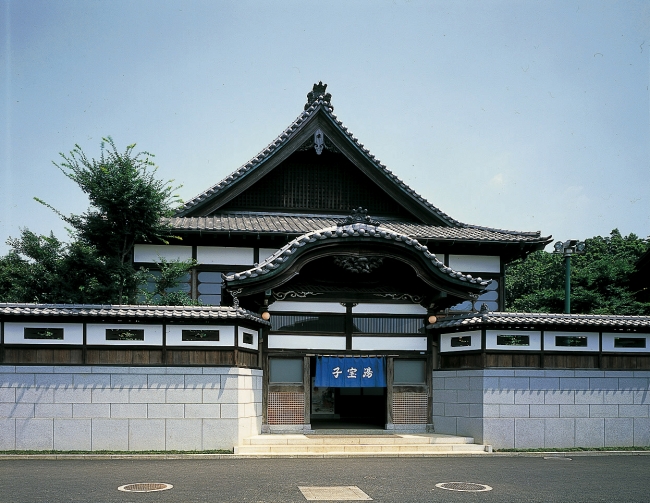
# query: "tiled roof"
{"points": [[322, 103], [342, 232], [588, 321], [284, 223], [137, 311]]}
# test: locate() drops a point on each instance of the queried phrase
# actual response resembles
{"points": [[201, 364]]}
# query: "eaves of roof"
{"points": [[131, 311], [292, 224], [322, 105], [342, 233], [539, 320]]}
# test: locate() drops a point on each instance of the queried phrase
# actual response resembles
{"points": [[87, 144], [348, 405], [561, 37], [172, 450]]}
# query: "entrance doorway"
{"points": [[346, 408]]}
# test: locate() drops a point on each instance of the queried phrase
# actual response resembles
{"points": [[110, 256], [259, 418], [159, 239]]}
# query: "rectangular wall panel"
{"points": [[306, 307], [153, 253], [334, 343], [610, 342], [96, 335], [224, 255], [175, 335], [492, 338], [592, 341], [15, 333], [247, 333], [367, 308], [389, 343], [447, 341], [475, 263]]}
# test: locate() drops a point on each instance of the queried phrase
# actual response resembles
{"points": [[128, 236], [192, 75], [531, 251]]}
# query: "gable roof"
{"points": [[318, 114]]}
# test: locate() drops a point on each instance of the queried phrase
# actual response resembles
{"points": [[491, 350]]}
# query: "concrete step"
{"points": [[292, 445], [388, 439]]}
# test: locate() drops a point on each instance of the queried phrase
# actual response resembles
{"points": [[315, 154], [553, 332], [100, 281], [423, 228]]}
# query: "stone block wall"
{"points": [[94, 408], [544, 408]]}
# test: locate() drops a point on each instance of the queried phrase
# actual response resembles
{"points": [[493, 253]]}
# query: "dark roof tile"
{"points": [[541, 319], [137, 311], [299, 224]]}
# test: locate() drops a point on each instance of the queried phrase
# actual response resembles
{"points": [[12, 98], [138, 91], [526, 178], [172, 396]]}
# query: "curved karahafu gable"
{"points": [[347, 239]]}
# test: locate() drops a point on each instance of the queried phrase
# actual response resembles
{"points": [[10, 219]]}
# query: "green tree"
{"points": [[127, 203], [163, 287], [600, 279], [45, 270]]}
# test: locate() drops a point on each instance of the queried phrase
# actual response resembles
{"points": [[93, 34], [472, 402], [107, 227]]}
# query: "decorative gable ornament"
{"points": [[358, 216], [359, 264], [319, 141]]}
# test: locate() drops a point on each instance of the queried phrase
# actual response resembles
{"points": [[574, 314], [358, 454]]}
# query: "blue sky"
{"points": [[522, 115]]}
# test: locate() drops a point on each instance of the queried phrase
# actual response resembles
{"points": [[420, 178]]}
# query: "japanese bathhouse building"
{"points": [[348, 264], [334, 296]]}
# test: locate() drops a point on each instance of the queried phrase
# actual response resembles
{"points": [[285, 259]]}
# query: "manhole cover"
{"points": [[464, 487], [144, 487]]}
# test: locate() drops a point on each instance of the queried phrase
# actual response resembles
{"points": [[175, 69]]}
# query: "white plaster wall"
{"points": [[15, 333], [153, 253], [224, 255], [544, 408], [128, 408], [475, 263]]}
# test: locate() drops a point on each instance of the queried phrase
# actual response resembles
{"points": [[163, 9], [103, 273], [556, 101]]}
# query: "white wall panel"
{"points": [[445, 341], [608, 342], [153, 253], [306, 307], [389, 343], [306, 342], [593, 343], [224, 255], [535, 340], [96, 335], [72, 333], [389, 309], [175, 335], [475, 263], [240, 338]]}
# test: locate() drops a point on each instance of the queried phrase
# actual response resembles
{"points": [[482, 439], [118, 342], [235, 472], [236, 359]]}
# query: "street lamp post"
{"points": [[567, 249]]}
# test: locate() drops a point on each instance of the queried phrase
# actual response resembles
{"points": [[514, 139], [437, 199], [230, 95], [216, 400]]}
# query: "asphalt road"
{"points": [[513, 479]]}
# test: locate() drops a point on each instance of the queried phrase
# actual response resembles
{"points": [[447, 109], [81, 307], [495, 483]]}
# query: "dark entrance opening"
{"points": [[347, 408]]}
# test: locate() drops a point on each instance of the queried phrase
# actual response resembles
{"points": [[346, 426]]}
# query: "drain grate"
{"points": [[144, 487], [464, 487]]}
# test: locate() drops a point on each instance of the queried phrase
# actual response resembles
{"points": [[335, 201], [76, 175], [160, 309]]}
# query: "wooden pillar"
{"points": [[306, 381], [389, 392], [264, 364]]}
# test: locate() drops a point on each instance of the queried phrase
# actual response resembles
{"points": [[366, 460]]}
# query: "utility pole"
{"points": [[568, 249]]}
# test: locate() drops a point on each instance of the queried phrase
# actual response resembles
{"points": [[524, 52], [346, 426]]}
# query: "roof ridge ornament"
{"points": [[317, 91], [358, 216]]}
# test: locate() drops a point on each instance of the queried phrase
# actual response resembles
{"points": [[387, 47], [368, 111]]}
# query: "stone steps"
{"points": [[293, 445]]}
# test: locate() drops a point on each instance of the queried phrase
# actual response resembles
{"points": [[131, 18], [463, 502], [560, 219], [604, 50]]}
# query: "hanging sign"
{"points": [[350, 372]]}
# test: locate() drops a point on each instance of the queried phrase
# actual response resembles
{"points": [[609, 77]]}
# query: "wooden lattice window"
{"points": [[325, 183], [410, 408], [286, 408]]}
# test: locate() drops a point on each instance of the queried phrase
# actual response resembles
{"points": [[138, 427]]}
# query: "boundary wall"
{"points": [[93, 408], [544, 408]]}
